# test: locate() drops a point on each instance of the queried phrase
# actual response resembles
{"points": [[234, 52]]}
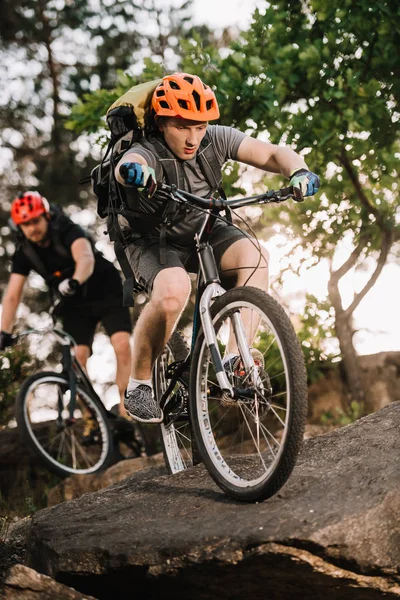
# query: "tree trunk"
{"points": [[351, 365], [344, 333]]}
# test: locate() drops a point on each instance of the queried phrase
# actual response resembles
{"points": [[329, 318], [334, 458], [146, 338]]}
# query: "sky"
{"points": [[223, 13]]}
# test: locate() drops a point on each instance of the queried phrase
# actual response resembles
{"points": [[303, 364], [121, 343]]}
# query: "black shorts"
{"points": [[144, 254], [82, 324]]}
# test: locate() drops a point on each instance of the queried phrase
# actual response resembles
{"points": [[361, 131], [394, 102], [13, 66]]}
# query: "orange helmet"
{"points": [[27, 206], [186, 96]]}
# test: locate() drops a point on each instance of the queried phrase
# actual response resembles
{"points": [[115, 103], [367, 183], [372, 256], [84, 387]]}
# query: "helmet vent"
{"points": [[174, 85], [196, 97], [189, 79], [160, 93], [183, 104], [209, 104], [164, 104]]}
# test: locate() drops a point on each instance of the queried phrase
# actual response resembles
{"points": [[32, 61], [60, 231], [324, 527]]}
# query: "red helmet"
{"points": [[28, 206], [186, 96]]}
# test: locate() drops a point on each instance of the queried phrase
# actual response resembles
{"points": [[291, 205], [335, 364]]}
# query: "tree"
{"points": [[324, 77], [53, 52]]}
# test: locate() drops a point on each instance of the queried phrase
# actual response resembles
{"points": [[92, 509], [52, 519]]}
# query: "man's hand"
{"points": [[306, 181], [141, 176], [6, 339], [68, 287]]}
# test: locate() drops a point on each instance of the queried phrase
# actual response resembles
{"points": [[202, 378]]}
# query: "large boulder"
{"points": [[23, 583], [332, 532]]}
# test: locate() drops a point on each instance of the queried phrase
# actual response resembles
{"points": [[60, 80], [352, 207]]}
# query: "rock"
{"points": [[332, 532], [23, 583], [381, 381], [77, 485], [23, 480]]}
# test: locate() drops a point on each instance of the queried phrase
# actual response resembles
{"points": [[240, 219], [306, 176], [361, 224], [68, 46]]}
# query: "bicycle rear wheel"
{"points": [[67, 446], [175, 431], [249, 444]]}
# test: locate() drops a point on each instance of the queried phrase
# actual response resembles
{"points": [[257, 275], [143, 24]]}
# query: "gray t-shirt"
{"points": [[226, 142]]}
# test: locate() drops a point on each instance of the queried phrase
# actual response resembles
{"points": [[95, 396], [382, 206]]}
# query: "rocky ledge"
{"points": [[332, 532]]}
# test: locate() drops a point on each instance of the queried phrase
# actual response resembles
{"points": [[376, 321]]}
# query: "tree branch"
{"points": [[344, 159], [385, 247], [351, 261]]}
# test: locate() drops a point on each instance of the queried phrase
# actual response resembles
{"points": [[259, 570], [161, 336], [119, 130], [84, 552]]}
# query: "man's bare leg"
{"points": [[171, 290], [120, 341]]}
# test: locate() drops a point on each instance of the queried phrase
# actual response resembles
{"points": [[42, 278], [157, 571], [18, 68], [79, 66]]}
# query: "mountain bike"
{"points": [[63, 421], [243, 418]]}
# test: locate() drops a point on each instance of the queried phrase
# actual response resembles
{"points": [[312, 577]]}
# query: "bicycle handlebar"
{"points": [[62, 336], [219, 204]]}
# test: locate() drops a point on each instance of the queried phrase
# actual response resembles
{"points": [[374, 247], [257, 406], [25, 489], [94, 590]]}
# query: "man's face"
{"points": [[35, 230], [183, 136]]}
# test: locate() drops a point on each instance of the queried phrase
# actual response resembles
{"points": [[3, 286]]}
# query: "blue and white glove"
{"points": [[68, 287], [306, 181], [141, 176]]}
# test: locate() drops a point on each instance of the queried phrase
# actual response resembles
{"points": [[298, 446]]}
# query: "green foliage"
{"points": [[15, 365], [340, 417], [315, 332], [324, 79]]}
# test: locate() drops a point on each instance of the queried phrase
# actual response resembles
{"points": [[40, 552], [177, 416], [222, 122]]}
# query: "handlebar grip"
{"points": [[297, 194]]}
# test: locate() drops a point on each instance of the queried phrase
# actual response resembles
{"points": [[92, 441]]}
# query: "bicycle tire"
{"points": [[175, 436], [51, 437], [278, 408]]}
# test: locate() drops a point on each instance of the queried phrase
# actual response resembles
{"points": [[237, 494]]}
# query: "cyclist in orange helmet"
{"points": [[182, 148], [49, 243]]}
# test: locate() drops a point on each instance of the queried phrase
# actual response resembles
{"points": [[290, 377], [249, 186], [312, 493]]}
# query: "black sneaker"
{"points": [[141, 405]]}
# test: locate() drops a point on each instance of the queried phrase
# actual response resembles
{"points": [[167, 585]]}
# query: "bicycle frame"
{"points": [[209, 284]]}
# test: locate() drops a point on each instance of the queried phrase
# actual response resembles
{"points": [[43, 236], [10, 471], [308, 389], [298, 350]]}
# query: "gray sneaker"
{"points": [[141, 405]]}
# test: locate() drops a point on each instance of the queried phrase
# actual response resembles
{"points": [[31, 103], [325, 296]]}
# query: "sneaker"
{"points": [[141, 405], [235, 370]]}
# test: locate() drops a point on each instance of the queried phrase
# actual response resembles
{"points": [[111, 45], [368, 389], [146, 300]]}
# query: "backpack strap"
{"points": [[30, 253], [209, 164]]}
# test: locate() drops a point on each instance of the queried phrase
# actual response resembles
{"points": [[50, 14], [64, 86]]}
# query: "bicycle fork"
{"points": [[209, 294]]}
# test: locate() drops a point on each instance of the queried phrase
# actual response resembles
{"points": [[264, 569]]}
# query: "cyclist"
{"points": [[63, 254], [179, 134]]}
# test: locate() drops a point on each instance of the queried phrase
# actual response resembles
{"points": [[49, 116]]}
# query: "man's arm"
{"points": [[83, 256], [11, 300], [269, 157]]}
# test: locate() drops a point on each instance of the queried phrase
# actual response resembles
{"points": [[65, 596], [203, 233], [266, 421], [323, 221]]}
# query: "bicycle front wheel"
{"points": [[67, 444], [249, 443]]}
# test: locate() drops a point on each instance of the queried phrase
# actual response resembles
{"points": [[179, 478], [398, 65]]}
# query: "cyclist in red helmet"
{"points": [[64, 255], [182, 148]]}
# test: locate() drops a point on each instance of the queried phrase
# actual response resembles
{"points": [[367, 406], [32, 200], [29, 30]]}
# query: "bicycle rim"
{"points": [[175, 430], [80, 445], [249, 444]]}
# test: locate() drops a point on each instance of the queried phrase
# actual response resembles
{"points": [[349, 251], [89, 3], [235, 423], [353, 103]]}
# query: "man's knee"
{"points": [[171, 290]]}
